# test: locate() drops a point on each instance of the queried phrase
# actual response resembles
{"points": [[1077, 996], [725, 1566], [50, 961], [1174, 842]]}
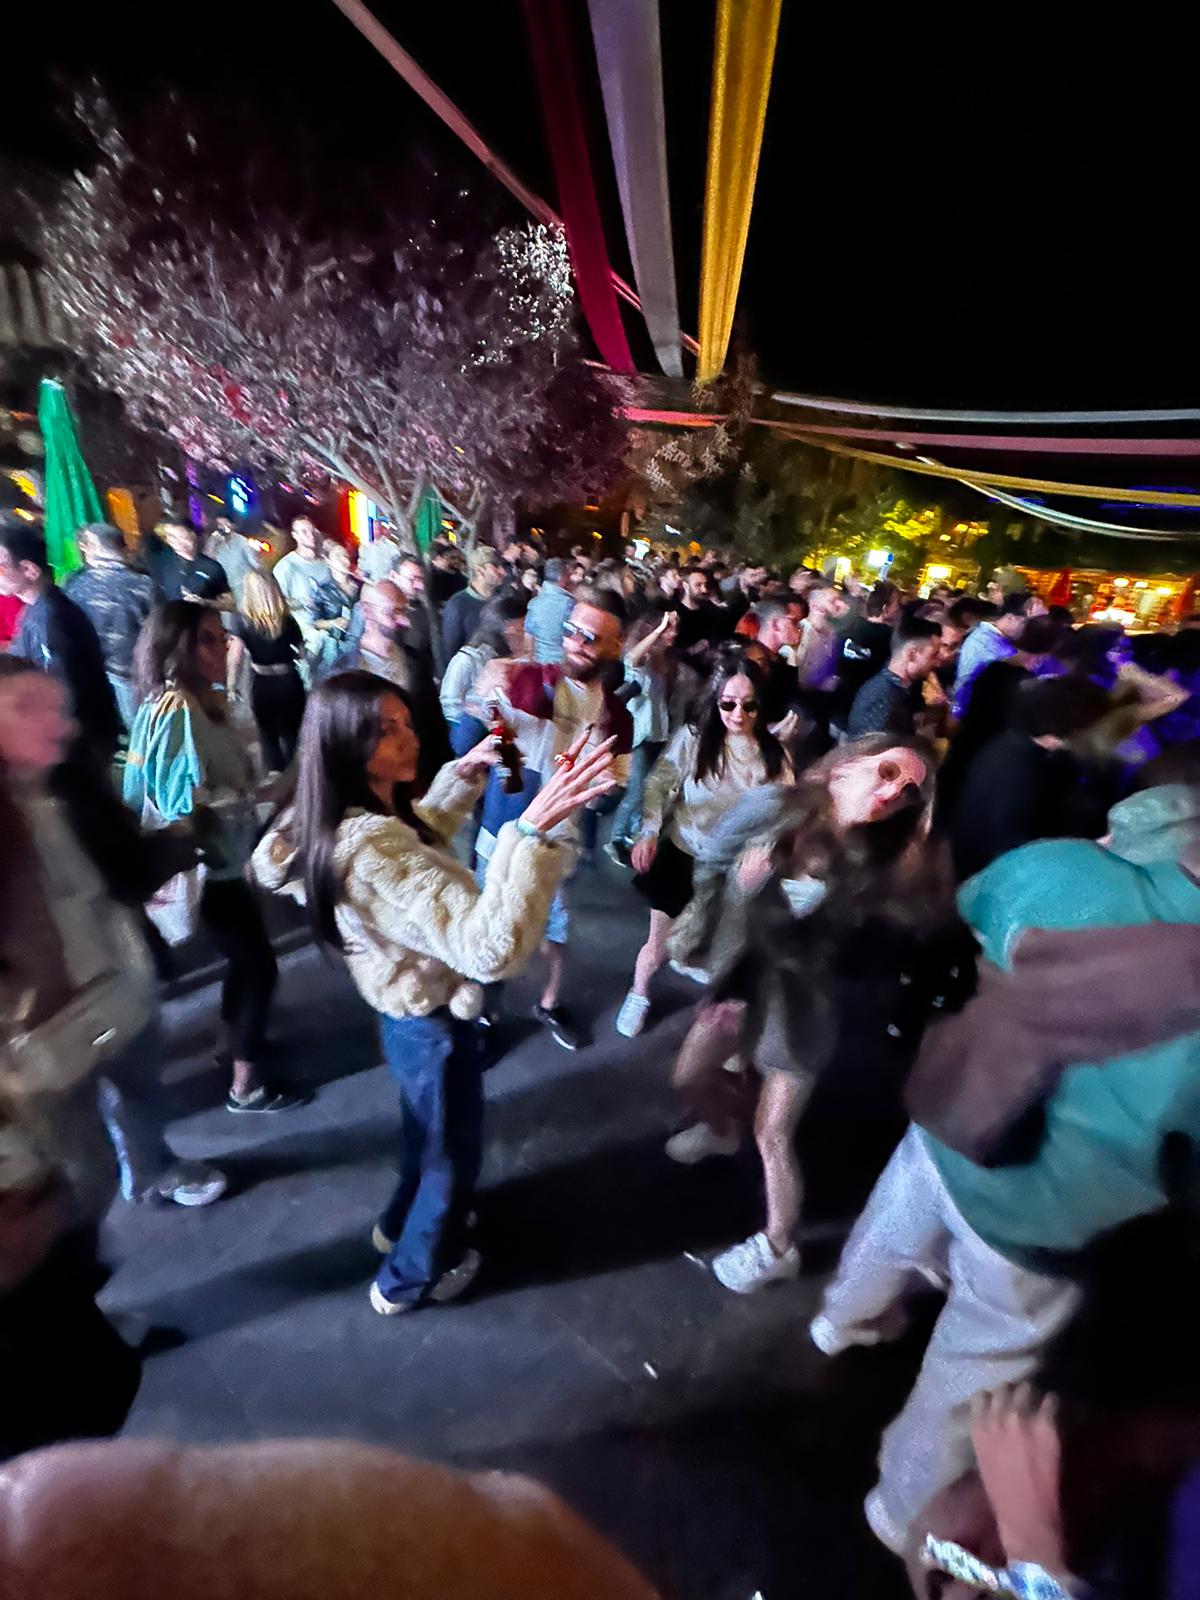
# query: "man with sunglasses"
{"points": [[547, 706]]}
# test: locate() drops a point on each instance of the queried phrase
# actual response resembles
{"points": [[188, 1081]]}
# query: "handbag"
{"points": [[174, 909], [96, 1024]]}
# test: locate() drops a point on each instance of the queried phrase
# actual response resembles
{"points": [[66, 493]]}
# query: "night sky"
{"points": [[972, 206]]}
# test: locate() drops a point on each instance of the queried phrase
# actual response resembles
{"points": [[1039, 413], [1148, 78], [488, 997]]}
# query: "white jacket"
{"points": [[418, 932]]}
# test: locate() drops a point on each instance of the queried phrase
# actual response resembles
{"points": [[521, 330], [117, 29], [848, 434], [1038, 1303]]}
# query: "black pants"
{"points": [[278, 706], [231, 913], [67, 1373]]}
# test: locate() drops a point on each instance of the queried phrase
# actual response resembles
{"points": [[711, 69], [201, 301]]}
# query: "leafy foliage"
{"points": [[308, 322]]}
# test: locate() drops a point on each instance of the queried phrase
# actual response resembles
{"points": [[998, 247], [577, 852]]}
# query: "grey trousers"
{"points": [[991, 1330]]}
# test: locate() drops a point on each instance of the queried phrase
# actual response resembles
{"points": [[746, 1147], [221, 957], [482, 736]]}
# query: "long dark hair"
{"points": [[711, 731], [341, 728], [497, 612], [165, 653]]}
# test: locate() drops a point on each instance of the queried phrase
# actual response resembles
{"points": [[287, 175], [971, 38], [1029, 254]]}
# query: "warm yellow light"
{"points": [[25, 483], [1120, 583], [596, 534], [1165, 589], [25, 516], [945, 538], [937, 574], [1141, 584]]}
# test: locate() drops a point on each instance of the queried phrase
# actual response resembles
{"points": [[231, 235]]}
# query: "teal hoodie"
{"points": [[1098, 1162]]}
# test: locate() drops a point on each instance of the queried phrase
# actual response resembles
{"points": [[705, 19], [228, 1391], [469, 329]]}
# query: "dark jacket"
{"points": [[117, 600], [883, 705], [460, 618], [58, 637], [865, 651], [1016, 792]]}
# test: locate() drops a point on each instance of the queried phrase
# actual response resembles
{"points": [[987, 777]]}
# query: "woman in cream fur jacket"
{"points": [[419, 938]]}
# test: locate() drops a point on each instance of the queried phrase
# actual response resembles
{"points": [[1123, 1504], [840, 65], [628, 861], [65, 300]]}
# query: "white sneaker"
{"points": [[389, 1308], [193, 1183], [696, 974], [753, 1264], [699, 1142], [631, 1018]]}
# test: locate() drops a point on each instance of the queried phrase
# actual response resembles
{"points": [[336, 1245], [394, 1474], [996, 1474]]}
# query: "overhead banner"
{"points": [[629, 56], [558, 88], [743, 56]]}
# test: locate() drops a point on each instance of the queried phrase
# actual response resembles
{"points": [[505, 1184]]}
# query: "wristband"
{"points": [[530, 830]]}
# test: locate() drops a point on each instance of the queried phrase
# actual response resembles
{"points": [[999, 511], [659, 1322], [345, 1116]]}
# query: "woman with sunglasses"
{"points": [[710, 763]]}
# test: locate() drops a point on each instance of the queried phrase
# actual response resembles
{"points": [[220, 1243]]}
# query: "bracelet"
{"points": [[530, 830]]}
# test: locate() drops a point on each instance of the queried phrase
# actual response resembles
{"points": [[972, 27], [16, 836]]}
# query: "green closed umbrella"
{"points": [[71, 500]]}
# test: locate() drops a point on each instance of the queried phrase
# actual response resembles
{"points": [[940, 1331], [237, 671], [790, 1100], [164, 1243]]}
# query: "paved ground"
{"points": [[699, 1430]]}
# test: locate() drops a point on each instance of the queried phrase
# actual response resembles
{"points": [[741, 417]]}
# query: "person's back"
{"points": [[116, 598], [1098, 1162], [548, 612], [58, 635]]}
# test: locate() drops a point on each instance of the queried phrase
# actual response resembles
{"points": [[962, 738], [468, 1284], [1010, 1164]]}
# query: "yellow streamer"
{"points": [[1004, 480], [743, 55]]}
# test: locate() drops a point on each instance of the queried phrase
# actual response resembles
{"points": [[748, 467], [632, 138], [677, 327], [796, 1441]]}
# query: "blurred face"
{"points": [[826, 605], [952, 638], [591, 639], [385, 608], [514, 636], [410, 580], [182, 540], [801, 581], [308, 540], [669, 582], [488, 579], [338, 558], [872, 787], [529, 580], [920, 657], [394, 758], [1035, 606], [34, 726], [212, 643], [737, 705], [779, 632], [696, 586]]}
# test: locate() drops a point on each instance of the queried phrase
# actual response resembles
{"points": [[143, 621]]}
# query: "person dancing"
{"points": [[420, 938]]}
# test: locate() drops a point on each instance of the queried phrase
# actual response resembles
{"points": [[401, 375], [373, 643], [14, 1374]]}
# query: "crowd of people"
{"points": [[947, 844]]}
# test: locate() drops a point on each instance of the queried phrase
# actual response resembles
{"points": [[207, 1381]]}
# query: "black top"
{"points": [[883, 705], [58, 637], [866, 650], [265, 651], [172, 575], [459, 621], [1016, 792]]}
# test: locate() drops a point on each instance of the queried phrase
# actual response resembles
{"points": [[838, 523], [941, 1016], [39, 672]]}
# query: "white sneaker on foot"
{"points": [[389, 1308], [753, 1264], [699, 1142], [696, 974], [631, 1018], [193, 1183]]}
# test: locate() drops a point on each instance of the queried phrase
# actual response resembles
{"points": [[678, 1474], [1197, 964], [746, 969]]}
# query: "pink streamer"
{"points": [[558, 88]]}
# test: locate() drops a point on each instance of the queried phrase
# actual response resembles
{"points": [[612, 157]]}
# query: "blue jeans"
{"points": [[136, 1107], [627, 823], [437, 1062]]}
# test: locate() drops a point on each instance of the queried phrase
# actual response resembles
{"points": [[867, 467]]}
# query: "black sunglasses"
{"points": [[732, 705], [573, 630]]}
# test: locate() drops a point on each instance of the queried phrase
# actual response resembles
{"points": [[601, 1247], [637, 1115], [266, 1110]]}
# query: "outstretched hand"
{"points": [[579, 780]]}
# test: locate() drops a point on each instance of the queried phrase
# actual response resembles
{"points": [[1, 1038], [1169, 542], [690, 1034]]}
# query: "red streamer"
{"points": [[558, 89]]}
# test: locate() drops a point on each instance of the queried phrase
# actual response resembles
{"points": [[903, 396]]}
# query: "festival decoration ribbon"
{"points": [[558, 87], [1006, 480], [743, 55], [629, 54], [70, 499], [862, 408]]}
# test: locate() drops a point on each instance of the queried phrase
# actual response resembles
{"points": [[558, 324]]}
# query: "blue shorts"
{"points": [[558, 921]]}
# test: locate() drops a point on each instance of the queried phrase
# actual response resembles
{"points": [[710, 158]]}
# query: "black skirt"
{"points": [[667, 886]]}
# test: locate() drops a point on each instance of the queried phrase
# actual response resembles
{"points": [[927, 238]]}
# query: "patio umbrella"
{"points": [[71, 500]]}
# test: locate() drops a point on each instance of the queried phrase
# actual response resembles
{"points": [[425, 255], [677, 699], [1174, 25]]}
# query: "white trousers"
{"points": [[991, 1330]]}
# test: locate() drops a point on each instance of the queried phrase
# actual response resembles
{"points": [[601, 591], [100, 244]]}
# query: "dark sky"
{"points": [[993, 210]]}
